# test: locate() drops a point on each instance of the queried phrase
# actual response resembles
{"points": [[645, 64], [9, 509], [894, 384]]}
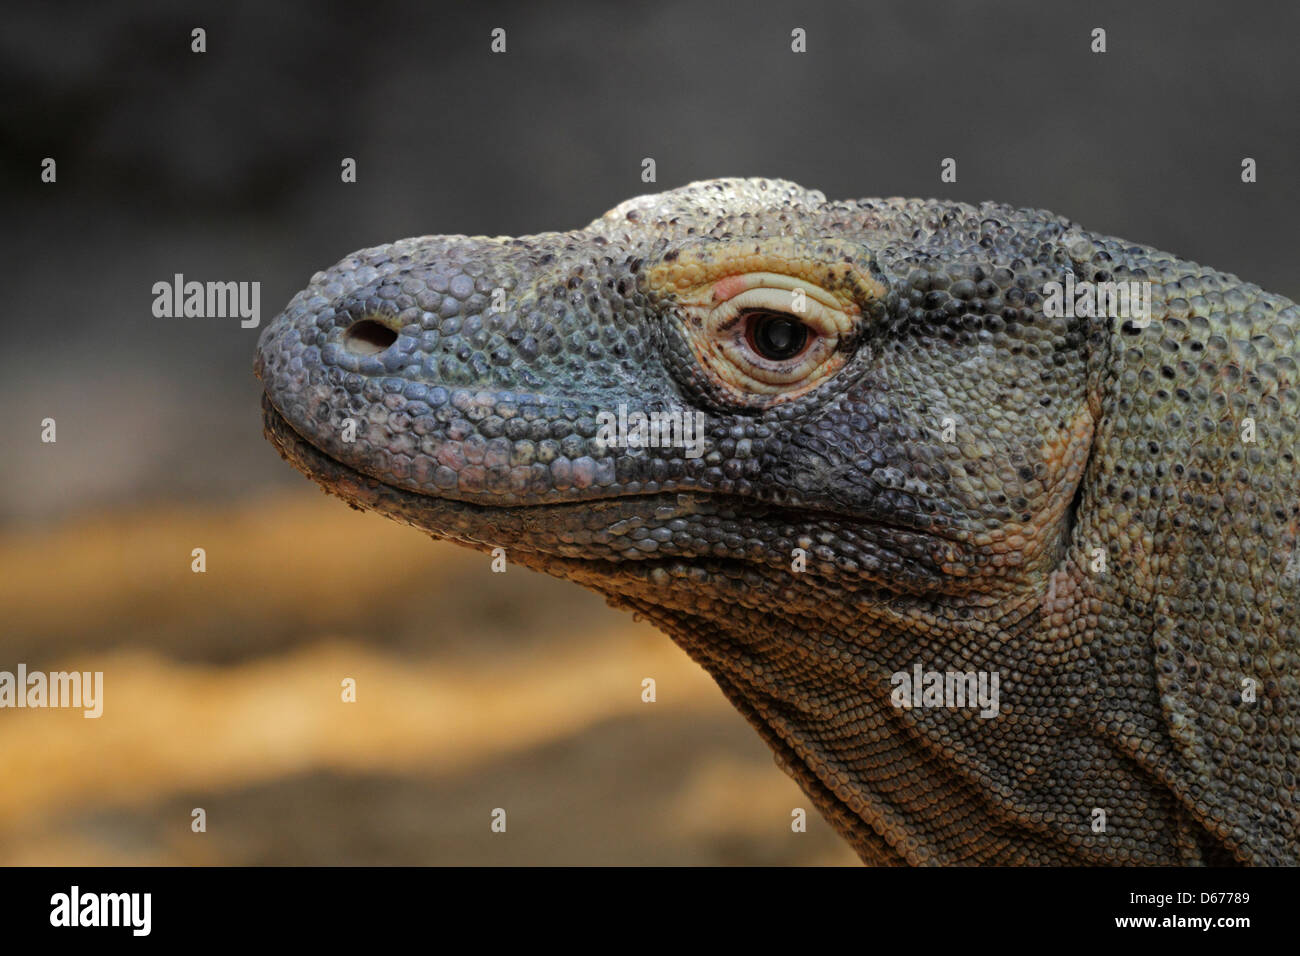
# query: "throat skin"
{"points": [[818, 691]]}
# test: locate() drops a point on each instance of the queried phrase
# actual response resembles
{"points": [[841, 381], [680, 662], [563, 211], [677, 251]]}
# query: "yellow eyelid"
{"points": [[816, 314], [710, 283], [722, 288], [777, 281], [838, 270]]}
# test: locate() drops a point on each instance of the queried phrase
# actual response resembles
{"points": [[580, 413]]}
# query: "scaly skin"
{"points": [[1070, 503]]}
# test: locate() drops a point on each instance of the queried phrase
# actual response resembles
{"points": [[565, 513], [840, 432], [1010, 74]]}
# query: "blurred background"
{"points": [[475, 690]]}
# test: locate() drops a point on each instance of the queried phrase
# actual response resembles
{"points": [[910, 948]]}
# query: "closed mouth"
{"points": [[437, 514], [449, 516], [300, 452]]}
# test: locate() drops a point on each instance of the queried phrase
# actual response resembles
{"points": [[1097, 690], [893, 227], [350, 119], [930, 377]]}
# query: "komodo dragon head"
{"points": [[1000, 580]]}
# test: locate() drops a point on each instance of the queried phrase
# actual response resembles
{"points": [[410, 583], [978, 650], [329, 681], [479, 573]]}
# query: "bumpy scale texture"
{"points": [[1101, 512]]}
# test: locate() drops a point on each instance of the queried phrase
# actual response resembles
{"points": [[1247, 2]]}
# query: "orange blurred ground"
{"points": [[474, 691]]}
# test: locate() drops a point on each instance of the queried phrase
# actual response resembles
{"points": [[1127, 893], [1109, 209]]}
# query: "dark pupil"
{"points": [[775, 336]]}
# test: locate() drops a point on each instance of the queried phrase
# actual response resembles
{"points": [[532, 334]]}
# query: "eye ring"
{"points": [[763, 338], [775, 336]]}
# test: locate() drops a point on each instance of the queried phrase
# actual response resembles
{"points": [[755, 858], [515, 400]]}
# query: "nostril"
{"points": [[368, 337]]}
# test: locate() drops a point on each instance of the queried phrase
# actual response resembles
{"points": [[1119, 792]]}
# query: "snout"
{"points": [[472, 369]]}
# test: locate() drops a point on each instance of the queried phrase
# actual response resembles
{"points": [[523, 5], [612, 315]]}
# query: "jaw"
{"points": [[715, 546], [583, 541], [464, 522]]}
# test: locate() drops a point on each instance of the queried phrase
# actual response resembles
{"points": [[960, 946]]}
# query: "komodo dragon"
{"points": [[910, 462]]}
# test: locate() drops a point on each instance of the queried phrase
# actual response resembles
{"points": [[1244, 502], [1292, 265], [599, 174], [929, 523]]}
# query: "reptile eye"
{"points": [[775, 335], [763, 337]]}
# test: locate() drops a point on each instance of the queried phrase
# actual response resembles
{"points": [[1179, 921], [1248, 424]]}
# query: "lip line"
{"points": [[272, 417]]}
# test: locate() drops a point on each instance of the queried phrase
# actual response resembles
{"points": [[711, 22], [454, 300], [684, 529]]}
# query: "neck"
{"points": [[903, 784]]}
